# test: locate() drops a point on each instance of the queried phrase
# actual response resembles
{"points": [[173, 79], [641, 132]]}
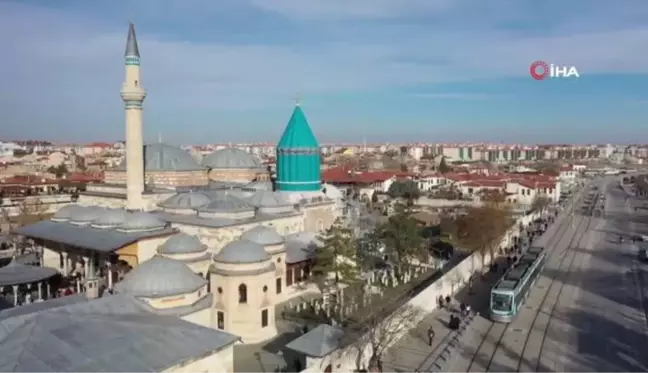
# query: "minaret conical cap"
{"points": [[131, 42]]}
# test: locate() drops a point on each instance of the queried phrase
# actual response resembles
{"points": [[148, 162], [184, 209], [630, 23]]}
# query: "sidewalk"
{"points": [[412, 352]]}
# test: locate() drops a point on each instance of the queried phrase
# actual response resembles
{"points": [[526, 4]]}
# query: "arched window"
{"points": [[242, 293]]}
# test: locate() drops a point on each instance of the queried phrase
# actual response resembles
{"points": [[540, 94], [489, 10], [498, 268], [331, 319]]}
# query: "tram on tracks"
{"points": [[510, 292]]}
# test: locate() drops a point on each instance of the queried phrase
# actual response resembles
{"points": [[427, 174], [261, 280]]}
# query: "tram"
{"points": [[510, 292]]}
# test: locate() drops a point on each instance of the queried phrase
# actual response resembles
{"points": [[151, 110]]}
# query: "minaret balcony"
{"points": [[129, 93]]}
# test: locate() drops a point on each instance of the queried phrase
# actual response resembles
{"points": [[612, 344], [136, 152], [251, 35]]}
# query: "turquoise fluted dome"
{"points": [[298, 156]]}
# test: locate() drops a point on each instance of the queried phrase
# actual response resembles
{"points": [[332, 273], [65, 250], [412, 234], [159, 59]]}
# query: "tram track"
{"points": [[497, 331], [565, 272]]}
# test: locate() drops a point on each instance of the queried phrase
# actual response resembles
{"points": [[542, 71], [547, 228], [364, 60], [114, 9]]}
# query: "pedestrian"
{"points": [[440, 301], [447, 300], [467, 309], [462, 309], [430, 336]]}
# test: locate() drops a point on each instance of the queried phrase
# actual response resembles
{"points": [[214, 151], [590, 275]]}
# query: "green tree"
{"points": [[59, 171], [336, 258], [443, 166], [401, 236], [407, 189]]}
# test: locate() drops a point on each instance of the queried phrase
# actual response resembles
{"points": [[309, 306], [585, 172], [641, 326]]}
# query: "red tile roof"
{"points": [[345, 175], [28, 180]]}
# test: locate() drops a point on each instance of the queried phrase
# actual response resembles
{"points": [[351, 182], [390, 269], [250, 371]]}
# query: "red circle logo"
{"points": [[539, 70]]}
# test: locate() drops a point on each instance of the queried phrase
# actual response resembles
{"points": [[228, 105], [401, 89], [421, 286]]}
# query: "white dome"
{"points": [[160, 277], [263, 235], [242, 251], [182, 243], [332, 192]]}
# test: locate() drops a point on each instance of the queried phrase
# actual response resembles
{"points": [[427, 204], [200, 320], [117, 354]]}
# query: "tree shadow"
{"points": [[604, 344], [605, 284]]}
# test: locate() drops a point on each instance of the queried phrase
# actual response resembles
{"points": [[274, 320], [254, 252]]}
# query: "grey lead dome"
{"points": [[86, 215], [242, 251], [165, 157], [231, 158], [263, 235], [160, 277], [110, 218], [186, 200], [142, 221], [66, 212], [182, 244], [226, 201]]}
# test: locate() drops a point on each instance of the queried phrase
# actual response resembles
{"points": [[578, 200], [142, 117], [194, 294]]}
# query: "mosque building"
{"points": [[195, 255]]}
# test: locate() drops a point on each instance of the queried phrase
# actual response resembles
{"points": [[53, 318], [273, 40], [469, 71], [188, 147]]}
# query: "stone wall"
{"points": [[163, 178], [345, 359]]}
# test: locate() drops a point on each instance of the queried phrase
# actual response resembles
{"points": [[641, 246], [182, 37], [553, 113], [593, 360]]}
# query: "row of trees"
{"points": [[338, 266], [337, 271]]}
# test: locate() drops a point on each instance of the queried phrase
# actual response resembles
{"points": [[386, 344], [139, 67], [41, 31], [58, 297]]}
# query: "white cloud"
{"points": [[345, 9], [68, 60]]}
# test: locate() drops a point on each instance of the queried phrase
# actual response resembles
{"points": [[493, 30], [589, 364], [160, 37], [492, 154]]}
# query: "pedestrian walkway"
{"points": [[412, 352]]}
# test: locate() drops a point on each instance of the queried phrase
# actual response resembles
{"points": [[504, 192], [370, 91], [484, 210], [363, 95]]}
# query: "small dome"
{"points": [[226, 201], [66, 212], [187, 200], [263, 236], [182, 244], [160, 277], [87, 215], [309, 238], [264, 198], [242, 251], [259, 185], [231, 158], [142, 221], [332, 192], [110, 218], [165, 157]]}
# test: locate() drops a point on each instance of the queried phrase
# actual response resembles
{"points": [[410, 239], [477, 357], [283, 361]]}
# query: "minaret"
{"points": [[133, 95], [298, 156]]}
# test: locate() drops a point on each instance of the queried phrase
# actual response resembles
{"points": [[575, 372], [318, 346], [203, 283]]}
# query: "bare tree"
{"points": [[482, 229], [6, 218], [540, 203], [377, 332], [31, 208]]}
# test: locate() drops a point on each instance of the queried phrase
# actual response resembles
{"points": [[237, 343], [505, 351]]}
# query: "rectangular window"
{"points": [[220, 320], [298, 276], [278, 285], [264, 318], [289, 276]]}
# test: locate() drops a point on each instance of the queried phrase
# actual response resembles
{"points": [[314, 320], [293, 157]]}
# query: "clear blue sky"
{"points": [[385, 70]]}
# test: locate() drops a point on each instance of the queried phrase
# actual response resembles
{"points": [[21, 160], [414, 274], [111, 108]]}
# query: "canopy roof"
{"points": [[15, 273]]}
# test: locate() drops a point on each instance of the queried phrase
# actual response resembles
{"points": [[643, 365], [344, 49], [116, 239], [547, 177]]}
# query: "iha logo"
{"points": [[540, 70]]}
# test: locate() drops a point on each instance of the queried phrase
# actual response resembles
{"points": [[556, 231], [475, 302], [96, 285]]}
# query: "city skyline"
{"points": [[424, 71]]}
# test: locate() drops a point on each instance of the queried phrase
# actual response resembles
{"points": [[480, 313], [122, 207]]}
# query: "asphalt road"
{"points": [[586, 312]]}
